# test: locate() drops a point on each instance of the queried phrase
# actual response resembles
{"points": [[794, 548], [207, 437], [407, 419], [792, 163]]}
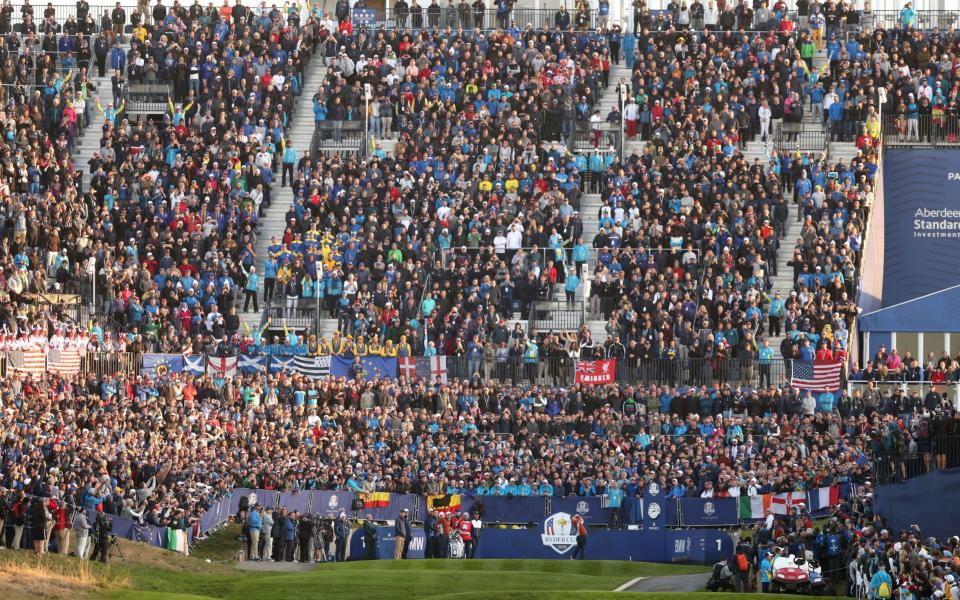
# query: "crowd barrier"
{"points": [[514, 371], [702, 546], [923, 501]]}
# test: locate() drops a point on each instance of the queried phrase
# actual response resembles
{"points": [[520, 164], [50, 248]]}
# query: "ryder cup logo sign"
{"points": [[709, 509], [559, 532], [653, 489], [333, 503], [583, 507]]}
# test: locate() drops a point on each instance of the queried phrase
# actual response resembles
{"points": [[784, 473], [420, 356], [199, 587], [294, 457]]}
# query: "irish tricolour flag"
{"points": [[755, 507]]}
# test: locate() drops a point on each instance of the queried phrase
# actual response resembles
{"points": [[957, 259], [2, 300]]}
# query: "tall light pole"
{"points": [[367, 93]]}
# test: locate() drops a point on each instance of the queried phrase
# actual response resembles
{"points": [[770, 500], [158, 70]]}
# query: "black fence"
{"points": [[148, 98], [907, 459], [801, 141], [921, 130], [300, 315], [586, 139], [341, 137], [488, 19], [924, 19], [549, 315], [559, 371]]}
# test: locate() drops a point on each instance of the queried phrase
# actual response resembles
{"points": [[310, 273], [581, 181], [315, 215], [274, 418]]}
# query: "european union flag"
{"points": [[158, 366], [371, 367]]}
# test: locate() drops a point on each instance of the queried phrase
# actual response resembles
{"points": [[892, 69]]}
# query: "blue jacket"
{"points": [[254, 521], [289, 529]]}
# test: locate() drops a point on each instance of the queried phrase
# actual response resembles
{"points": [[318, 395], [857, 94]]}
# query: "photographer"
{"points": [[305, 530], [319, 555], [102, 528]]}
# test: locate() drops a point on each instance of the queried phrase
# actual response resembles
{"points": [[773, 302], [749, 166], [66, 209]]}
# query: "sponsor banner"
{"points": [[709, 512], [331, 504], [922, 196], [552, 541], [654, 509], [590, 508]]}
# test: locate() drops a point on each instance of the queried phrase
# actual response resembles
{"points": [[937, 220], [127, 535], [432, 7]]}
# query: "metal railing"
{"points": [[347, 137], [301, 316], [922, 130], [802, 141], [555, 315], [486, 19], [906, 459], [515, 370], [923, 20]]}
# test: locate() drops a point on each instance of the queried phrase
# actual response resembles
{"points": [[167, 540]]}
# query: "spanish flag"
{"points": [[376, 500], [445, 503]]}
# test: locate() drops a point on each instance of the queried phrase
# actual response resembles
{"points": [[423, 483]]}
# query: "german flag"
{"points": [[376, 500], [446, 503]]}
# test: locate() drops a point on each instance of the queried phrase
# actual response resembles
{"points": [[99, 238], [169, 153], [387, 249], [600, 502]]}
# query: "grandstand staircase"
{"points": [[89, 141], [300, 135]]}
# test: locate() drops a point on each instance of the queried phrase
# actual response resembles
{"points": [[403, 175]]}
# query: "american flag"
{"points": [[817, 375], [27, 361], [63, 361]]}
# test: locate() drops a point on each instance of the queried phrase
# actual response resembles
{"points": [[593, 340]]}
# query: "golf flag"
{"points": [[823, 498], [755, 507], [252, 364], [222, 367], [194, 364], [158, 366], [376, 500], [444, 503], [783, 503], [314, 367]]}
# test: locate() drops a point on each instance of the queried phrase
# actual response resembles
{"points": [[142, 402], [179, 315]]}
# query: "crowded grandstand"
{"points": [[510, 253]]}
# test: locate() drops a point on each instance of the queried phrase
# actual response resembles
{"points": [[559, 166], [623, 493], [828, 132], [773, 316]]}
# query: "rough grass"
{"points": [[23, 576]]}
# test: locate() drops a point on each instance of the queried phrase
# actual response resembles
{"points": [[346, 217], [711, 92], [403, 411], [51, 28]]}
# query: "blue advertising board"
{"points": [[709, 512], [921, 205], [654, 511]]}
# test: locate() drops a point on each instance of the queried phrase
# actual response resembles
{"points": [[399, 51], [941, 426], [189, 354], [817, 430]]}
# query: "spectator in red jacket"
{"points": [[61, 528]]}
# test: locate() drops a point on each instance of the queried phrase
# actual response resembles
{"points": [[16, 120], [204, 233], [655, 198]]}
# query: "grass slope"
{"points": [[153, 574]]}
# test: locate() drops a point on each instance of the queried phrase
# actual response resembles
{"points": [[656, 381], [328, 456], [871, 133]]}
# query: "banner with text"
{"points": [[922, 194]]}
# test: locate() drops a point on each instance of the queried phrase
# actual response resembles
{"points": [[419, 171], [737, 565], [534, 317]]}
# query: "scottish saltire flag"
{"points": [[252, 364], [278, 364], [371, 367], [158, 366], [195, 364], [314, 367]]}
